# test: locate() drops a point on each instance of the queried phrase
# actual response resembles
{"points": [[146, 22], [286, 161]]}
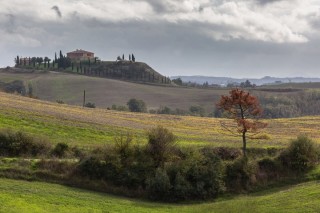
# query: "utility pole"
{"points": [[84, 98]]}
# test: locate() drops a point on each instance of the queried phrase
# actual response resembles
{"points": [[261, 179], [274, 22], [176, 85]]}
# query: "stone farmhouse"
{"points": [[79, 55]]}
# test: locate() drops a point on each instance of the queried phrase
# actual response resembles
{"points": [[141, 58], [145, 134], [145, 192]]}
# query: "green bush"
{"points": [[239, 175], [268, 169], [197, 176], [60, 150], [91, 167], [301, 155], [159, 186], [161, 143], [21, 144], [137, 105]]}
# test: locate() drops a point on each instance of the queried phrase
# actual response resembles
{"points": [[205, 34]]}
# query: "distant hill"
{"points": [[261, 81], [120, 69], [104, 92]]}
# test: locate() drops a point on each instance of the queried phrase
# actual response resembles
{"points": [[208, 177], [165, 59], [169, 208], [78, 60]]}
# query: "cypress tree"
{"points": [[17, 60]]}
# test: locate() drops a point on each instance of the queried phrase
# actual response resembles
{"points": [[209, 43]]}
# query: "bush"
{"points": [[15, 86], [197, 111], [164, 110], [90, 105], [239, 175], [226, 153], [301, 155], [91, 167], [137, 105], [159, 186], [269, 169], [160, 144], [119, 108], [197, 175], [60, 150], [19, 144]]}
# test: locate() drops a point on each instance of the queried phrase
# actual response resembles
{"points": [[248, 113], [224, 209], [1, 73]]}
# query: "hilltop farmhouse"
{"points": [[80, 54]]}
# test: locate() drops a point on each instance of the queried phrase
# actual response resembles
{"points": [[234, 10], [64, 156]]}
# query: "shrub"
{"points": [[226, 153], [159, 186], [91, 167], [123, 148], [137, 105], [119, 108], [301, 155], [269, 169], [15, 86], [197, 111], [160, 144], [164, 110], [59, 101], [19, 143], [239, 175], [197, 176], [60, 150], [90, 105]]}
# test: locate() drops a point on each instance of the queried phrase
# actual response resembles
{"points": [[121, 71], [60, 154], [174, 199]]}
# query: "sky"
{"points": [[225, 38]]}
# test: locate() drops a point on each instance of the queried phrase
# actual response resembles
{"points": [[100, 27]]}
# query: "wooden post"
{"points": [[84, 98]]}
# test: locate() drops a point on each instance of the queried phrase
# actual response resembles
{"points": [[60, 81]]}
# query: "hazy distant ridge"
{"points": [[257, 81]]}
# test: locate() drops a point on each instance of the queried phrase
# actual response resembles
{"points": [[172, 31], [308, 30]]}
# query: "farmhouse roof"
{"points": [[80, 51]]}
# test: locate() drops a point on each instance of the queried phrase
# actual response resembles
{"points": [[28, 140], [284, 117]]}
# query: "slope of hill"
{"points": [[104, 92], [22, 196], [84, 126]]}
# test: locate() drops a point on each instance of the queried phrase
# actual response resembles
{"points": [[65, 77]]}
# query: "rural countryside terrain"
{"points": [[116, 136]]}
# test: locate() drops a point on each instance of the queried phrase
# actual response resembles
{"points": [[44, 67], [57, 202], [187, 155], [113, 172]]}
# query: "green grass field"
{"points": [[21, 196], [89, 127]]}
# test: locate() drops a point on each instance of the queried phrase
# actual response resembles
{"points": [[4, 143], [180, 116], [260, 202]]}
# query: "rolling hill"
{"points": [[104, 92], [84, 126], [22, 196]]}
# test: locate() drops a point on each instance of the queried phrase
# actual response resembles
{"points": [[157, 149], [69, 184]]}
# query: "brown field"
{"points": [[52, 86]]}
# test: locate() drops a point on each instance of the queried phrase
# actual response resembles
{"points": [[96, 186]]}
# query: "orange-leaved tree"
{"points": [[245, 110]]}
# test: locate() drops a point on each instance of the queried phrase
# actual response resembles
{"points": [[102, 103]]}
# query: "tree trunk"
{"points": [[244, 131], [244, 144]]}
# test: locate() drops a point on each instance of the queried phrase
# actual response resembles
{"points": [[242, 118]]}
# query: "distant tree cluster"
{"points": [[178, 81], [131, 58], [247, 84], [32, 62], [63, 61]]}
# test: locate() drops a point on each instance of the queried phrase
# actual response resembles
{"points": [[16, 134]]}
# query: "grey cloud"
{"points": [[263, 2], [10, 23], [158, 6], [57, 10]]}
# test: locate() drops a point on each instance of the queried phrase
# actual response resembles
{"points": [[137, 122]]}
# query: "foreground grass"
{"points": [[22, 196], [87, 127]]}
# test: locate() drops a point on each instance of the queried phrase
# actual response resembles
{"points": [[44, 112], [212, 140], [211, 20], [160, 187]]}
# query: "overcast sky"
{"points": [[243, 38]]}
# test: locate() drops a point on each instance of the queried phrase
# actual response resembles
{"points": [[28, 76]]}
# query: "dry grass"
{"points": [[85, 126], [104, 92]]}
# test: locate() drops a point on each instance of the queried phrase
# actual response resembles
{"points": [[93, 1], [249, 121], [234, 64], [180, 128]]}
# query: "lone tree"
{"points": [[137, 105], [245, 110]]}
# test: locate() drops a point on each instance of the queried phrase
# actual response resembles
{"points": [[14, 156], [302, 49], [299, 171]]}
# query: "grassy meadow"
{"points": [[90, 127], [22, 196], [86, 127]]}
